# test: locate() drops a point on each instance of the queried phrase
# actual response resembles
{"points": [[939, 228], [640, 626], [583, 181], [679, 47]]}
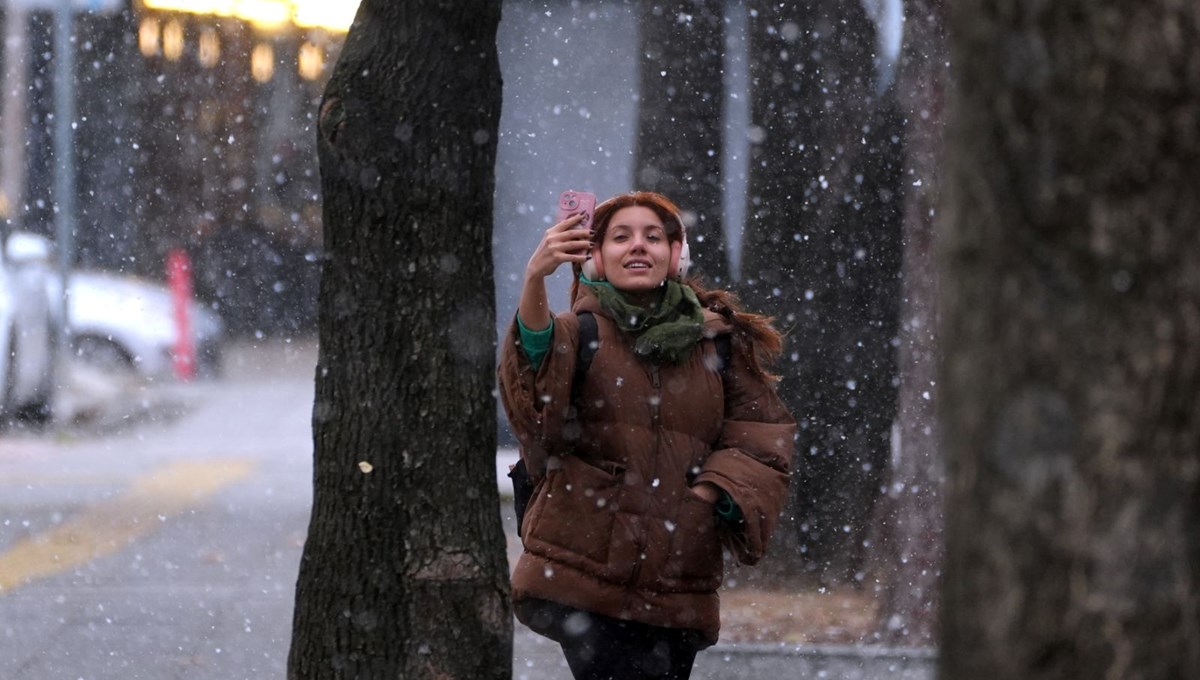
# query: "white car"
{"points": [[121, 322], [28, 334], [118, 321]]}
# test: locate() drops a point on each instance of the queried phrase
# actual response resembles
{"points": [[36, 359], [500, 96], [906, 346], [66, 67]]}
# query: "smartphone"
{"points": [[571, 202]]}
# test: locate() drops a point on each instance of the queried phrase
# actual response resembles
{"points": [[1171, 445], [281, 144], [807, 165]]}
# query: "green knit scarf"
{"points": [[666, 332]]}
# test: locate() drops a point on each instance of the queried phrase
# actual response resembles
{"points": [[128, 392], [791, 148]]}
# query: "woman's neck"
{"points": [[646, 299]]}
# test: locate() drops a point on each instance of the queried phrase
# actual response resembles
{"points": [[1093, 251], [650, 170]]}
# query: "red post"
{"points": [[179, 279]]}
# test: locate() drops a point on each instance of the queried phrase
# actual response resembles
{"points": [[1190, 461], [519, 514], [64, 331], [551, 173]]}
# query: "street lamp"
{"points": [[262, 62], [209, 52], [148, 32], [310, 61], [172, 40]]}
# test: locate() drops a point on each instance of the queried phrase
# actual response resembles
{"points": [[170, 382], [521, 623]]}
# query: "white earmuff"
{"points": [[590, 269], [593, 267], [680, 267]]}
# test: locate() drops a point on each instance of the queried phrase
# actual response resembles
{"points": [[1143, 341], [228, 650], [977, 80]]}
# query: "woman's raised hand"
{"points": [[564, 242]]}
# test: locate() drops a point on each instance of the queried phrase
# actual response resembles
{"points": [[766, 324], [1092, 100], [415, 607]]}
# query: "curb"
{"points": [[844, 662]]}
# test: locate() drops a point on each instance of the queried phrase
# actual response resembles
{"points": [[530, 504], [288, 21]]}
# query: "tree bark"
{"points": [[908, 551], [679, 139], [404, 567], [1071, 296], [822, 255]]}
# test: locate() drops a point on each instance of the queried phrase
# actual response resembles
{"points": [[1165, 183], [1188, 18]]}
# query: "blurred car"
{"points": [[121, 322], [28, 332], [124, 322]]}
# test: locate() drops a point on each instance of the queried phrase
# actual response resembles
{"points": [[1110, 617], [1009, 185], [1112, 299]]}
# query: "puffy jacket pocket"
{"points": [[695, 559], [574, 517]]}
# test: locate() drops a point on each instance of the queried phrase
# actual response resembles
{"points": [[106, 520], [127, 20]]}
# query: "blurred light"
{"points": [[326, 14], [311, 61], [224, 8], [262, 62], [172, 40], [148, 37], [265, 13], [210, 48], [335, 16]]}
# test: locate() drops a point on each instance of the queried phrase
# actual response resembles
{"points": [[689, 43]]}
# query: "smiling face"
{"points": [[636, 251]]}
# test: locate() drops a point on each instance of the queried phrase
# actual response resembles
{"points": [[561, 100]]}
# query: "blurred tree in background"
{"points": [[906, 552], [680, 134], [1070, 263], [822, 255]]}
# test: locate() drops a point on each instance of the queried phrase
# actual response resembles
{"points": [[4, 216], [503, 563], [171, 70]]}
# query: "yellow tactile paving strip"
{"points": [[110, 526]]}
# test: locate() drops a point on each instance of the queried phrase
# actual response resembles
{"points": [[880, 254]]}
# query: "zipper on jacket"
{"points": [[655, 401]]}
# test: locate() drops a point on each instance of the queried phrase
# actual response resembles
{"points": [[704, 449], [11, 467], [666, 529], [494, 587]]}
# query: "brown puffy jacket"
{"points": [[613, 527]]}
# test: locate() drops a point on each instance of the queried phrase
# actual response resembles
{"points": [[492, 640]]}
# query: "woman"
{"points": [[658, 458]]}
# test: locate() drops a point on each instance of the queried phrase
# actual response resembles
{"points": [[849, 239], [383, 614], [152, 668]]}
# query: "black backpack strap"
{"points": [[523, 486], [589, 340], [723, 343]]}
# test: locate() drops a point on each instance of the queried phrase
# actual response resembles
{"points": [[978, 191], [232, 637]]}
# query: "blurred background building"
{"points": [[194, 130]]}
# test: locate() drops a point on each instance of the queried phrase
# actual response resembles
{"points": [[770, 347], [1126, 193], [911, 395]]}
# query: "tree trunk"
{"points": [[679, 138], [909, 525], [404, 572], [109, 90], [1072, 342], [822, 256]]}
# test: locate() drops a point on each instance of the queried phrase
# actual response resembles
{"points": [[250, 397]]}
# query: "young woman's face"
{"points": [[636, 251]]}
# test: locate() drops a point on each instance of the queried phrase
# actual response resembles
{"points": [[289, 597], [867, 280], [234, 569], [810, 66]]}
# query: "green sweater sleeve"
{"points": [[535, 343], [727, 510]]}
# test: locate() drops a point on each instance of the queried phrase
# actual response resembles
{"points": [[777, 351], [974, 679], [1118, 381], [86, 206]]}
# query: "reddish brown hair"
{"points": [[662, 206], [754, 336]]}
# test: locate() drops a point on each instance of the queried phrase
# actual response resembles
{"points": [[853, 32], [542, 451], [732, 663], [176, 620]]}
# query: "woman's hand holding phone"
{"points": [[568, 241], [571, 202], [565, 242]]}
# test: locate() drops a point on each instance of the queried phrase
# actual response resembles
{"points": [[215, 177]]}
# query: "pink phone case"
{"points": [[571, 202]]}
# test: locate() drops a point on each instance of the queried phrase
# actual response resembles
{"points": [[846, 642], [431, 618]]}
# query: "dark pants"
{"points": [[602, 648]]}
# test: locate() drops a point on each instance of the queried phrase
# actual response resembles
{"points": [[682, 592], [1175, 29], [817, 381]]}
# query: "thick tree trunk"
{"points": [[822, 255], [679, 139], [404, 572], [1071, 296], [909, 525]]}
